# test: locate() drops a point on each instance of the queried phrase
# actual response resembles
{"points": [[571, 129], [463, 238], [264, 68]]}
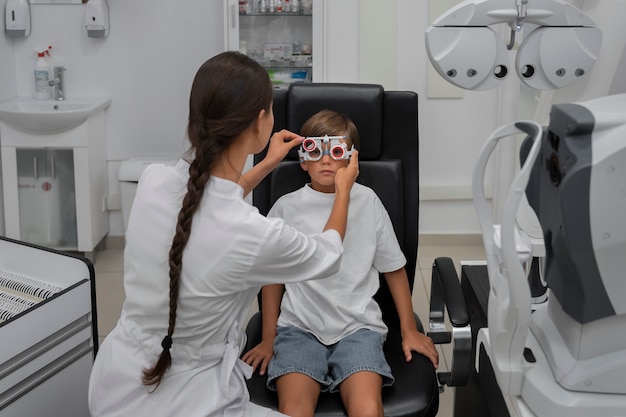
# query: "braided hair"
{"points": [[227, 94]]}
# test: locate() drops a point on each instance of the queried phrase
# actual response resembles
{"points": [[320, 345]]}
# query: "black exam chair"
{"points": [[388, 125]]}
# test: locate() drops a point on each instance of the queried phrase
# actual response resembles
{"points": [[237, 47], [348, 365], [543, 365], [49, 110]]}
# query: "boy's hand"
{"points": [[259, 356], [345, 177], [280, 144], [419, 342]]}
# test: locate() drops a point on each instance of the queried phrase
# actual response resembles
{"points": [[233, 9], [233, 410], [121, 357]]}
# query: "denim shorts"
{"points": [[298, 351]]}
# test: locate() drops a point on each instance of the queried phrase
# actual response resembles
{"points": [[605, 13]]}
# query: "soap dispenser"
{"points": [[97, 18], [17, 18]]}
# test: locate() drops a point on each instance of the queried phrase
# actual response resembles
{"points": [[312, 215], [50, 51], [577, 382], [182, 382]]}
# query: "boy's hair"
{"points": [[331, 123]]}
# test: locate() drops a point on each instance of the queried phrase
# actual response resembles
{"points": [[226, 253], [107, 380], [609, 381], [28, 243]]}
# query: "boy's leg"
{"points": [[361, 394], [298, 371], [297, 394], [359, 370]]}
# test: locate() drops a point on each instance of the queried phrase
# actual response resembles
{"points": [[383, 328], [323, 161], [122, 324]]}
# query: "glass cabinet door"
{"points": [[276, 33], [47, 197]]}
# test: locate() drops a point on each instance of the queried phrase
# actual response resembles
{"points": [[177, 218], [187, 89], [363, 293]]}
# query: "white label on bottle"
{"points": [[41, 81], [41, 75]]}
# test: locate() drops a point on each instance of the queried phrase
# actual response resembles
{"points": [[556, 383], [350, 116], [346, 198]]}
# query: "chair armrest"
{"points": [[446, 295]]}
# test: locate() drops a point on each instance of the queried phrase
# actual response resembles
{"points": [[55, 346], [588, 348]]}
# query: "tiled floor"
{"points": [[110, 289]]}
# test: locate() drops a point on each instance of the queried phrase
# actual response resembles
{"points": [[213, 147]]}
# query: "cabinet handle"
{"points": [[46, 372], [233, 14], [53, 170], [35, 167]]}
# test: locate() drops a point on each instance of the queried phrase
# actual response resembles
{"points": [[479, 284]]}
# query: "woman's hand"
{"points": [[345, 177], [280, 144]]}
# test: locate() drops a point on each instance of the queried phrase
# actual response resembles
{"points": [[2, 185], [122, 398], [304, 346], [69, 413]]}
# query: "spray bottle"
{"points": [[42, 75]]}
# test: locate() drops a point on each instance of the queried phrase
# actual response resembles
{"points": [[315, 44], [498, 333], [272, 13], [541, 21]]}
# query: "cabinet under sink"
{"points": [[55, 185]]}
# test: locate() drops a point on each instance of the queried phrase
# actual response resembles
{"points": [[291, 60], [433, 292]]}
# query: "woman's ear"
{"points": [[259, 120]]}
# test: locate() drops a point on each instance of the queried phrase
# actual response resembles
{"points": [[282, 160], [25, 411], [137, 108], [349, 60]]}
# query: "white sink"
{"points": [[44, 117]]}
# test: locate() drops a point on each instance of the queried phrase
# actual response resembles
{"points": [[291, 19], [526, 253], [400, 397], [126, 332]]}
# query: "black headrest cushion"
{"points": [[363, 103]]}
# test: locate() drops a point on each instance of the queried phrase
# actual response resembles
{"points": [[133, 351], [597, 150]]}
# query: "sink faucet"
{"points": [[56, 83]]}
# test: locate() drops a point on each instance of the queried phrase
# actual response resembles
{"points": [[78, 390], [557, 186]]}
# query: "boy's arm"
{"points": [[412, 339], [260, 355], [271, 296]]}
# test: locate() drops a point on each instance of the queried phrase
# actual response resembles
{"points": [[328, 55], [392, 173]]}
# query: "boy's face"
{"points": [[322, 171]]}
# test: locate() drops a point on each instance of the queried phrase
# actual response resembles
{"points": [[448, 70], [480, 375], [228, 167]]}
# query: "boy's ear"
{"points": [[304, 166]]}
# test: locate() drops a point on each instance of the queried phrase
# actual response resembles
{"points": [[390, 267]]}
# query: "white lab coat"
{"points": [[232, 251]]}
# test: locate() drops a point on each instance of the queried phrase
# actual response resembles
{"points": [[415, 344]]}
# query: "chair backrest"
{"points": [[388, 158]]}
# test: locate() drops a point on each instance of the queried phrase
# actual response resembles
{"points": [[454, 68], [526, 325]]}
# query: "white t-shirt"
{"points": [[232, 251], [334, 307]]}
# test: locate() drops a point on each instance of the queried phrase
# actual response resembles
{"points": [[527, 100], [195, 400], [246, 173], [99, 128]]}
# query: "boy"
{"points": [[328, 334]]}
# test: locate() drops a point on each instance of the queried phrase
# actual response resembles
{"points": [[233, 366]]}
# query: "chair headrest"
{"points": [[363, 103]]}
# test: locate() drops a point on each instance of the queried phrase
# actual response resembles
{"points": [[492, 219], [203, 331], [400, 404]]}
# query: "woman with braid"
{"points": [[197, 254]]}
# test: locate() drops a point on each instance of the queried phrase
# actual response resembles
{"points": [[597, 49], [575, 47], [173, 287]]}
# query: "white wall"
{"points": [[452, 131], [146, 65], [155, 47], [387, 48]]}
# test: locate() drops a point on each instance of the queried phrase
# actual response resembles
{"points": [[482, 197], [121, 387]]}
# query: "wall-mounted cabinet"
{"points": [[55, 185], [288, 42]]}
